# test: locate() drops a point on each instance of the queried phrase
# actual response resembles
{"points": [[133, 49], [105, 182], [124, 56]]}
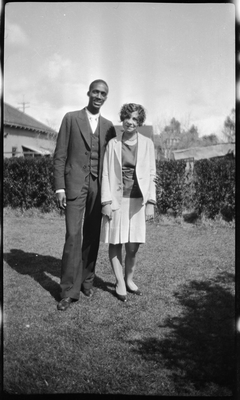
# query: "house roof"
{"points": [[145, 130], [198, 153], [18, 119]]}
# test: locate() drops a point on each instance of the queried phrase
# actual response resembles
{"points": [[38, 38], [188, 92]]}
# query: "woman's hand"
{"points": [[149, 212], [107, 210]]}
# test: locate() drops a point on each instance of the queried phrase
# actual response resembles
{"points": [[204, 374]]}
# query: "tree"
{"points": [[209, 140], [169, 137], [189, 138], [229, 127], [173, 137], [169, 133]]}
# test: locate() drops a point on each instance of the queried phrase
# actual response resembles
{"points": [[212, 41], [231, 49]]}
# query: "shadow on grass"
{"points": [[199, 345], [44, 270], [101, 284], [37, 266]]}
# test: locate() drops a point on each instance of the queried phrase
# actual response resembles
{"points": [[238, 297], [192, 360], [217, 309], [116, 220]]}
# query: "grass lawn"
{"points": [[177, 339]]}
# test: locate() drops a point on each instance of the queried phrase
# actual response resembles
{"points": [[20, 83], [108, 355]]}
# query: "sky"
{"points": [[177, 60]]}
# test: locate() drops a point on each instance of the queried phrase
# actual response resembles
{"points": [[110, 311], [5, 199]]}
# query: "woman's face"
{"points": [[131, 123]]}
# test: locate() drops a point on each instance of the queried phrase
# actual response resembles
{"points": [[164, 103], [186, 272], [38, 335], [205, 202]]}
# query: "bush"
{"points": [[28, 182], [208, 188], [215, 187], [170, 181]]}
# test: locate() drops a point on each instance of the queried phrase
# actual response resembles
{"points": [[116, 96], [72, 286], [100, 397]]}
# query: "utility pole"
{"points": [[24, 105]]}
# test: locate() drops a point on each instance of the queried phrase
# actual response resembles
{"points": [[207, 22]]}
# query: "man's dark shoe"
{"points": [[87, 292], [64, 303]]}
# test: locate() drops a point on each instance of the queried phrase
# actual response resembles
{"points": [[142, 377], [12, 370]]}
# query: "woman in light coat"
{"points": [[128, 195]]}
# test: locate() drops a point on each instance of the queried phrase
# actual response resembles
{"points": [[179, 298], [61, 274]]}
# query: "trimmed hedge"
{"points": [[214, 183], [28, 182], [208, 188], [169, 185]]}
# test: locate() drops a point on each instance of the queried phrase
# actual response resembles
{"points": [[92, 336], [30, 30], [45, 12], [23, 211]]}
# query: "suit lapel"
{"points": [[118, 148], [140, 150], [102, 132], [84, 126]]}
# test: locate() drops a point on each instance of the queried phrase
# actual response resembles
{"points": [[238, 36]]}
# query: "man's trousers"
{"points": [[83, 224]]}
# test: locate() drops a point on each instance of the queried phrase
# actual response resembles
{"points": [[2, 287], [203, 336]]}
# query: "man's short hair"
{"points": [[98, 81]]}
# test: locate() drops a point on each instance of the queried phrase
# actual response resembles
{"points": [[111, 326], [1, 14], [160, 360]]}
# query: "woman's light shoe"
{"points": [[137, 292], [121, 297]]}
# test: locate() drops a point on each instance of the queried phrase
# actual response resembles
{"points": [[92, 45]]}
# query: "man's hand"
{"points": [[107, 210], [61, 200], [149, 211]]}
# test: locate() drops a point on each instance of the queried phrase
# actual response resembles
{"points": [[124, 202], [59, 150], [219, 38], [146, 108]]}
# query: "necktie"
{"points": [[93, 122]]}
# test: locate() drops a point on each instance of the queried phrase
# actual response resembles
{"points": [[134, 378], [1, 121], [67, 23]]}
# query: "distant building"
{"points": [[168, 146], [25, 136], [171, 142], [198, 153]]}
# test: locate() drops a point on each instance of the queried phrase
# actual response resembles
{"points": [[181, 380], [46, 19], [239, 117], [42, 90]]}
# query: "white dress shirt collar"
{"points": [[93, 119]]}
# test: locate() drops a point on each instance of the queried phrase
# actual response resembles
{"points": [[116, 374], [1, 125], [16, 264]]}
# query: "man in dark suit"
{"points": [[78, 161]]}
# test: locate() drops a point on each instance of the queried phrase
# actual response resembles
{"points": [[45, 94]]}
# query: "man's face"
{"points": [[97, 95]]}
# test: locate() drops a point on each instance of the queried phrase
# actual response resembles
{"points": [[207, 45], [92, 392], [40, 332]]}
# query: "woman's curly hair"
{"points": [[128, 109]]}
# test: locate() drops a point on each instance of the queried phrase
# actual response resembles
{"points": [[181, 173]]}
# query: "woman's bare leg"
{"points": [[115, 256], [130, 264]]}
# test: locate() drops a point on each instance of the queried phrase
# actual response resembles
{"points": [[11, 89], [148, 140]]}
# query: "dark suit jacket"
{"points": [[73, 149]]}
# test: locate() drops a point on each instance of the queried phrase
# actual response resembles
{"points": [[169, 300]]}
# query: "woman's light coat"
{"points": [[112, 185]]}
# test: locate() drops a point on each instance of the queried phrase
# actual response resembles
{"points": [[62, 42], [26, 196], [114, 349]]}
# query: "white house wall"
{"points": [[14, 137]]}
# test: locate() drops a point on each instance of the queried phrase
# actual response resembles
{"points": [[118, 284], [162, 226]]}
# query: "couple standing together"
{"points": [[105, 184]]}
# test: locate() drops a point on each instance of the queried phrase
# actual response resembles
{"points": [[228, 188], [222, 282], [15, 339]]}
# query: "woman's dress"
{"points": [[128, 222]]}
